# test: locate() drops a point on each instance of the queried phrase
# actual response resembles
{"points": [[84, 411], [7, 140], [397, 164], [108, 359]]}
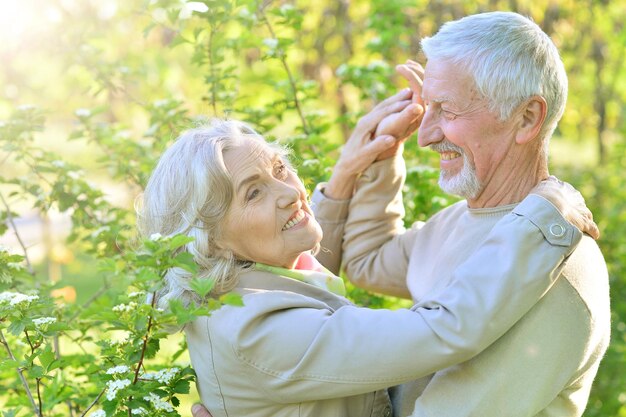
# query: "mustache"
{"points": [[445, 146]]}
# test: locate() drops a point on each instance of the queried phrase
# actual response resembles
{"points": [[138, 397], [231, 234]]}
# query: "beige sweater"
{"points": [[543, 366]]}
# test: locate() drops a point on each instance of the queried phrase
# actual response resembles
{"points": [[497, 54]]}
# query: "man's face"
{"points": [[472, 141]]}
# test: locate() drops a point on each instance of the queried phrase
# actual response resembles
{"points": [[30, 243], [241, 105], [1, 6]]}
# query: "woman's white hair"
{"points": [[510, 59], [189, 193]]}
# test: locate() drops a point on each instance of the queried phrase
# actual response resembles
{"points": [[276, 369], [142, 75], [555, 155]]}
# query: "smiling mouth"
{"points": [[448, 156], [294, 220]]}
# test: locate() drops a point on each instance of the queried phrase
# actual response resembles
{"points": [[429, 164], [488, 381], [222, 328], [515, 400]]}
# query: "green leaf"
{"points": [[179, 240], [6, 364], [181, 387], [185, 260], [17, 327], [36, 371], [47, 358], [202, 286], [232, 299]]}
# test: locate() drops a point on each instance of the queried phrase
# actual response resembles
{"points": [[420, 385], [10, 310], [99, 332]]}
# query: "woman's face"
{"points": [[269, 220]]}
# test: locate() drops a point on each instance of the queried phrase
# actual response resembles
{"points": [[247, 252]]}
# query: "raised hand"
{"points": [[363, 147], [569, 202], [403, 124]]}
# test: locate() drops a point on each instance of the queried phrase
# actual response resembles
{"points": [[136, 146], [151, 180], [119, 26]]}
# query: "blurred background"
{"points": [[93, 90]]}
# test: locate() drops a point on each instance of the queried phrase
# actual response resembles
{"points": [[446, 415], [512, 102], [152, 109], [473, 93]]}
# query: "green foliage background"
{"points": [[92, 91]]}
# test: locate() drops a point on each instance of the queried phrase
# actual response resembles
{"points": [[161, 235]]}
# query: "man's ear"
{"points": [[532, 114]]}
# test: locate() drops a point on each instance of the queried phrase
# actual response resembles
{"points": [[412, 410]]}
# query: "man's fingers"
{"points": [[198, 410], [415, 80]]}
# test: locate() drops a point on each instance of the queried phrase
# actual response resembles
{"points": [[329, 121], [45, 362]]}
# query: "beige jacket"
{"points": [[296, 350], [544, 365]]}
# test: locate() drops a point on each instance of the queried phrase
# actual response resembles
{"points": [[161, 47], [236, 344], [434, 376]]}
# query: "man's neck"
{"points": [[511, 184]]}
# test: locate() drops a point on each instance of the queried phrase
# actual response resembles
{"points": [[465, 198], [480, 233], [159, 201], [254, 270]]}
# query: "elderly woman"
{"points": [[297, 347]]}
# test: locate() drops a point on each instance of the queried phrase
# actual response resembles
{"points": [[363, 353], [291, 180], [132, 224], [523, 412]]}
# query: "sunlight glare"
{"points": [[23, 19]]}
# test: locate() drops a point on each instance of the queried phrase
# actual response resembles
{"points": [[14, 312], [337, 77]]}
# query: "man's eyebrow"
{"points": [[441, 99]]}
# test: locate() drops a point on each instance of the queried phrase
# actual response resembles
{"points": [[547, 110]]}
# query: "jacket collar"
{"points": [[252, 280]]}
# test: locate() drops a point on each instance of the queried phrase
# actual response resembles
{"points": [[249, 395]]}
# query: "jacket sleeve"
{"points": [[331, 215], [542, 367], [301, 350], [376, 246]]}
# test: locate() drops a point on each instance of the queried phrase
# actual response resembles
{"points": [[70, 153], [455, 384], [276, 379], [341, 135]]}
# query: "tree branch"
{"points": [[145, 341], [93, 403], [292, 82], [19, 238], [21, 374]]}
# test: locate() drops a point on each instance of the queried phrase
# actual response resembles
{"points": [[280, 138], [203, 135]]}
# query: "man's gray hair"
{"points": [[510, 59], [189, 193]]}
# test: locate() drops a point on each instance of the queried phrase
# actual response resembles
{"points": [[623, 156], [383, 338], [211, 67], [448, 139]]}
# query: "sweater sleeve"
{"points": [[298, 349], [376, 246]]}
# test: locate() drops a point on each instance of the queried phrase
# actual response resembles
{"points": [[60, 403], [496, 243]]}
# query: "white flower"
{"points": [[155, 236], [115, 386], [245, 13], [120, 342], [158, 403], [136, 294], [342, 70], [377, 64], [139, 411], [75, 175], [26, 107], [120, 308], [98, 413], [121, 369], [100, 230], [6, 296], [270, 43], [42, 321], [164, 376], [82, 113], [58, 164], [23, 299], [193, 6], [376, 41]]}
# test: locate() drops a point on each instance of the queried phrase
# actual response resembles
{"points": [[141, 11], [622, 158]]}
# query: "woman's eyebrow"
{"points": [[248, 180]]}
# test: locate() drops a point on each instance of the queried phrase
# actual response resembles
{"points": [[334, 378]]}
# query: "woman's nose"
{"points": [[429, 131], [287, 195]]}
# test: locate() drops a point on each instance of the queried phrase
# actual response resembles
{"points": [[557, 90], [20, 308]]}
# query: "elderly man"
{"points": [[493, 90]]}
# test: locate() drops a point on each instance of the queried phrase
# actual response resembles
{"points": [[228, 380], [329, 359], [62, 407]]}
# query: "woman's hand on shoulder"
{"points": [[569, 202]]}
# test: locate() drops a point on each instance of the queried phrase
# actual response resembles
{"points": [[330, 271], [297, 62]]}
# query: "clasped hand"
{"points": [[381, 133]]}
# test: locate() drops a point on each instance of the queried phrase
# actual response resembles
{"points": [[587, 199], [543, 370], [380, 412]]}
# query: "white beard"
{"points": [[465, 183]]}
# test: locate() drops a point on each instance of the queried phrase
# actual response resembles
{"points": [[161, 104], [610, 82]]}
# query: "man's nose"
{"points": [[429, 131]]}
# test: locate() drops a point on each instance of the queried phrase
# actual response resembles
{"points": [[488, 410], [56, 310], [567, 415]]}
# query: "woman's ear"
{"points": [[532, 115]]}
